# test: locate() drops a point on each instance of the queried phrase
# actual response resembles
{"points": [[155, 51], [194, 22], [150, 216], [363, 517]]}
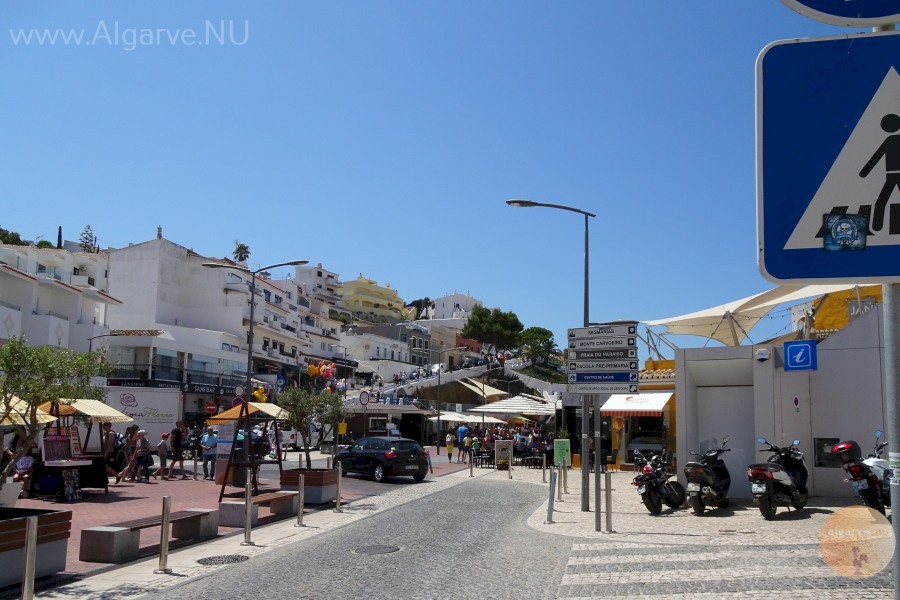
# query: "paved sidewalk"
{"points": [[597, 557], [128, 500]]}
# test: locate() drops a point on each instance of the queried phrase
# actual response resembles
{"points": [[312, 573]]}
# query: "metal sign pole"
{"points": [[891, 317], [550, 499], [337, 497], [608, 478]]}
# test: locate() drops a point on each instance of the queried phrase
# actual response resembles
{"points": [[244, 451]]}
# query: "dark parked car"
{"points": [[383, 457]]}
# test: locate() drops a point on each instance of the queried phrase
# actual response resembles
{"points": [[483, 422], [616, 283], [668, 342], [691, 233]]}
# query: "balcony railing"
{"points": [[194, 376]]}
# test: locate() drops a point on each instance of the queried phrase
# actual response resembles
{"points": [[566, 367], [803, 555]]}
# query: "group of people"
{"points": [[129, 455], [24, 466], [468, 442]]}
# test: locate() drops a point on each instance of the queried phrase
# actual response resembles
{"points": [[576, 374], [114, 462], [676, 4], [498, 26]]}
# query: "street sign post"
{"points": [[849, 13], [211, 407], [828, 117]]}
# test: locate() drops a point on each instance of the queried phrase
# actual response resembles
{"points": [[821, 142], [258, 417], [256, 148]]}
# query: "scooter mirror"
{"points": [[796, 442], [725, 441], [878, 433], [694, 453], [762, 440]]}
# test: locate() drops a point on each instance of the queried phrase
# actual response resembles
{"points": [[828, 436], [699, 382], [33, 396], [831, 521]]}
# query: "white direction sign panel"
{"points": [[602, 388], [828, 156]]}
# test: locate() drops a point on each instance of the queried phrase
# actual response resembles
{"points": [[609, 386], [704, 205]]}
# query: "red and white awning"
{"points": [[636, 405]]}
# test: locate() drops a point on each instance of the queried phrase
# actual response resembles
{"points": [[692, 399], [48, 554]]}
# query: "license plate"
{"points": [[693, 487], [758, 488], [860, 484], [412, 467], [642, 489]]}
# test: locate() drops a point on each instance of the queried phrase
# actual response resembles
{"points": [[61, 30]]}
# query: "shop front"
{"points": [[640, 423]]}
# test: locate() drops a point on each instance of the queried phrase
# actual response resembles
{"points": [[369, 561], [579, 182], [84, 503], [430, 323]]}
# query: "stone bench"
{"points": [[120, 542], [231, 512]]}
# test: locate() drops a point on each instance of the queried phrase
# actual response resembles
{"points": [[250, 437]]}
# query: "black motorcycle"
{"points": [[708, 480], [652, 483], [782, 481]]}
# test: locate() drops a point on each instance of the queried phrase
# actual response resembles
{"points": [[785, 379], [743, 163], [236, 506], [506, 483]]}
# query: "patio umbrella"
{"points": [[517, 405], [232, 414]]}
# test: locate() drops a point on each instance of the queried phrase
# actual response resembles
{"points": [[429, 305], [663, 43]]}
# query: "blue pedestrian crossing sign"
{"points": [[828, 159]]}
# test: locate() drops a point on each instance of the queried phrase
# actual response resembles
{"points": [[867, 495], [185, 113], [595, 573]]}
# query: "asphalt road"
{"points": [[469, 541]]}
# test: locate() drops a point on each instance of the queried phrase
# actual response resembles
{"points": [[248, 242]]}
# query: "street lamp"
{"points": [[585, 398], [437, 443], [249, 381]]}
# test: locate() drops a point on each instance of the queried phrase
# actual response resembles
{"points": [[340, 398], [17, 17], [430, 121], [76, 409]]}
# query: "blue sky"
{"points": [[384, 137]]}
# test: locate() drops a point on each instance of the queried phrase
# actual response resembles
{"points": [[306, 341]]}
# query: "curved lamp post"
{"points": [[440, 432], [249, 380], [585, 398]]}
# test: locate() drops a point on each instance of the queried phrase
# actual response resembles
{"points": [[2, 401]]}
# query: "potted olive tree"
{"points": [[30, 376], [305, 407]]}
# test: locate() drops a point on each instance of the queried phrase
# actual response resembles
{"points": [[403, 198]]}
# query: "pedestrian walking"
{"points": [[449, 442], [128, 450], [208, 443], [142, 457], [177, 438], [162, 451], [461, 434]]}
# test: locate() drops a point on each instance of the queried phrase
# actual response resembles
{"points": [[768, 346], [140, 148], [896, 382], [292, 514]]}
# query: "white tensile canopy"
{"points": [[730, 323], [517, 405]]}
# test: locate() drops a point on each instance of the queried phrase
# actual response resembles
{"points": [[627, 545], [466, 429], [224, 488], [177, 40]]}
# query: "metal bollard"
{"points": [[430, 466], [608, 482], [471, 466], [597, 515], [328, 462], [550, 500], [31, 533], [565, 477], [559, 482], [300, 502], [544, 469], [337, 498], [248, 509], [195, 466], [164, 537]]}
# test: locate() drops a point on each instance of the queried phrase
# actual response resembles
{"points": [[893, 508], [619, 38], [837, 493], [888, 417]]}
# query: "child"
{"points": [[162, 448], [449, 442]]}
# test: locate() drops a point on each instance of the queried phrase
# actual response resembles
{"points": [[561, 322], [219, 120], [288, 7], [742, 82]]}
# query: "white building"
{"points": [[454, 306], [53, 297], [206, 312]]}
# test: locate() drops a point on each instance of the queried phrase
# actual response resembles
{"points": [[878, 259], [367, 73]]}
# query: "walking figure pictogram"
{"points": [[890, 149]]}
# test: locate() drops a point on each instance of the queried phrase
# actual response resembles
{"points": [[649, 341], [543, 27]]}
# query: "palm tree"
{"points": [[241, 251]]}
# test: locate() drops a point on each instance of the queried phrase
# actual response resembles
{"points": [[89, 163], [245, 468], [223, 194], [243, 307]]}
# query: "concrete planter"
{"points": [[54, 527], [319, 485], [9, 493]]}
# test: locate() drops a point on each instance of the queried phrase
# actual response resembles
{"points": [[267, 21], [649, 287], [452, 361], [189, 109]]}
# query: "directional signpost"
{"points": [[603, 358]]}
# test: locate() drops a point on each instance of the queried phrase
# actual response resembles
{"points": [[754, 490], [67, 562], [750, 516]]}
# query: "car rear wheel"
{"points": [[378, 473], [420, 475]]}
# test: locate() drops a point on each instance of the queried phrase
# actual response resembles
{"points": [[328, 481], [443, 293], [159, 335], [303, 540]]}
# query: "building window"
{"points": [[277, 299], [823, 457]]}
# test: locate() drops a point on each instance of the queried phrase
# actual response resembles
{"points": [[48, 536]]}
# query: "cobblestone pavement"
{"points": [[486, 537]]}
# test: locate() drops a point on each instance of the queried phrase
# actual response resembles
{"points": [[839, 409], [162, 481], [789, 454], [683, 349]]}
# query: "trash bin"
{"points": [[576, 461]]}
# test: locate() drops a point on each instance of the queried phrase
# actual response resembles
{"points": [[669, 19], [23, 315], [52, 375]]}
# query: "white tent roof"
{"points": [[730, 323], [489, 391], [517, 405]]}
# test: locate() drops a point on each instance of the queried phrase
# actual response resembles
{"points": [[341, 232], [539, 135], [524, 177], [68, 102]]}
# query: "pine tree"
{"points": [[87, 239]]}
